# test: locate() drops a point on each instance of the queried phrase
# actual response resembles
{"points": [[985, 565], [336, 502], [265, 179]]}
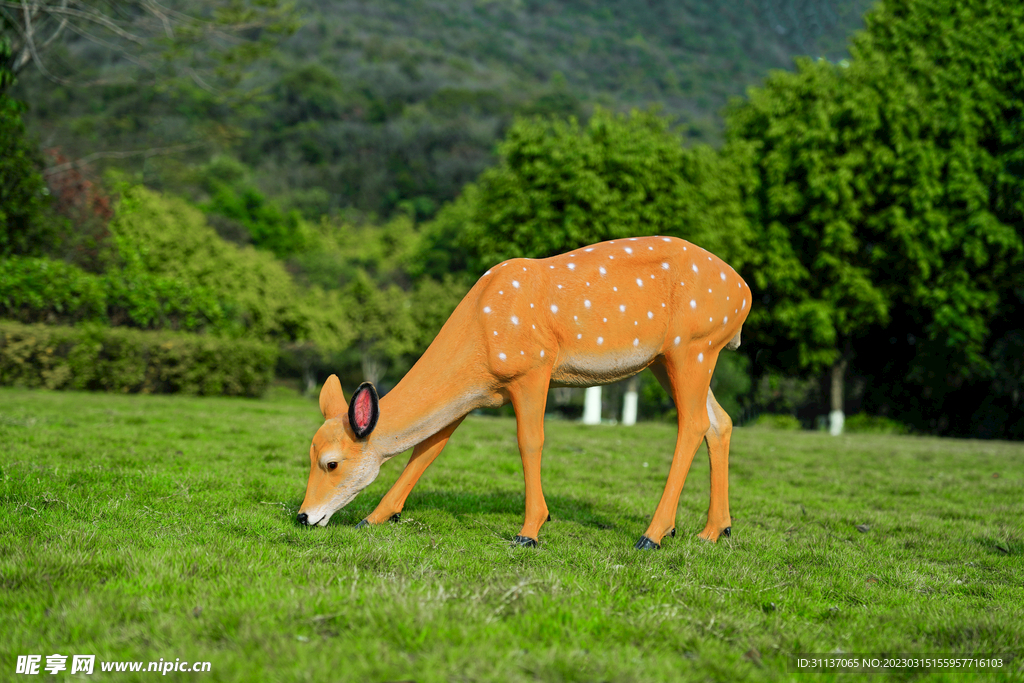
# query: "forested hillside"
{"points": [[370, 107]]}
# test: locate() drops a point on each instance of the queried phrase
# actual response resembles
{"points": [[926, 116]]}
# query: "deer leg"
{"points": [[390, 506], [529, 396], [717, 438], [689, 386]]}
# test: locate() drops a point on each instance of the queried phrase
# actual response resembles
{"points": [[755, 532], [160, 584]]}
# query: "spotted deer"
{"points": [[591, 316]]}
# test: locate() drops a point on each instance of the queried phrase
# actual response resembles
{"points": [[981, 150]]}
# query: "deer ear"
{"points": [[364, 410], [332, 401]]}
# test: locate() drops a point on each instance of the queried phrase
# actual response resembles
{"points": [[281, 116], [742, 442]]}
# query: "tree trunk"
{"points": [[629, 402], [373, 368], [837, 417], [592, 406]]}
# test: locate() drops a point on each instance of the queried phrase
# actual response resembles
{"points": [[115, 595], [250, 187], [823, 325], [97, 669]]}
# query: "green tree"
{"points": [[888, 189], [560, 185]]}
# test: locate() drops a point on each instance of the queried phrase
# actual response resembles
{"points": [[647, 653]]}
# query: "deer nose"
{"points": [[303, 518]]}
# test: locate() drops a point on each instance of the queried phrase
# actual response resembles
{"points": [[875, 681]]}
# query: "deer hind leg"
{"points": [[529, 395], [717, 438], [683, 376], [390, 506]]}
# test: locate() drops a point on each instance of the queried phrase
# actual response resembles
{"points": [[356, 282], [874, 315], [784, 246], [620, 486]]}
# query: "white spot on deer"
{"points": [[501, 291], [542, 353], [487, 273], [725, 320], [693, 303], [588, 284], [663, 304], [515, 283], [600, 340], [709, 290], [695, 267], [559, 286], [709, 258], [572, 266], [677, 341], [650, 316], [522, 353], [604, 319], [628, 250], [665, 239], [495, 333], [579, 336], [524, 269], [586, 303], [723, 275], [575, 317], [622, 308], [664, 266], [551, 267], [726, 298], [602, 270], [744, 304], [501, 356], [554, 308], [652, 277], [590, 249], [534, 326], [636, 342], [515, 320], [487, 309], [615, 289], [639, 282], [700, 357], [632, 239], [650, 248], [531, 305], [711, 320], [636, 322], [611, 257]]}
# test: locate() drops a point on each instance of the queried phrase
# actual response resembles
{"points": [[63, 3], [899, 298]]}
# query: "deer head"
{"points": [[342, 461]]}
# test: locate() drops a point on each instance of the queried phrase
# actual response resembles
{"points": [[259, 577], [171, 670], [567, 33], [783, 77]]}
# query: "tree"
{"points": [[560, 185], [888, 189], [206, 47]]}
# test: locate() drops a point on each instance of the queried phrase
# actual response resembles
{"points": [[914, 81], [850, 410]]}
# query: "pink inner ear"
{"points": [[364, 406]]}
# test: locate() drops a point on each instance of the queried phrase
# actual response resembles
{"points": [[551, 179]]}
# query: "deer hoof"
{"points": [[672, 533], [524, 542], [395, 517], [727, 531], [361, 524], [646, 544]]}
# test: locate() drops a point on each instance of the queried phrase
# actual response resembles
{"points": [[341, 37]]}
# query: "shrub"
{"points": [[132, 361], [771, 421], [874, 424], [55, 292]]}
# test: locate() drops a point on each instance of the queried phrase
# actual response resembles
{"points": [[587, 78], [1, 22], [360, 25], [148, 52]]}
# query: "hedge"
{"points": [[132, 361]]}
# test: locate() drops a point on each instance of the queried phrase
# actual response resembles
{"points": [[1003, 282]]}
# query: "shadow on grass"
{"points": [[459, 503]]}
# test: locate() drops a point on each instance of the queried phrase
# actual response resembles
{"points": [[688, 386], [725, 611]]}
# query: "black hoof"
{"points": [[525, 542], [727, 531], [672, 533], [646, 544], [395, 517], [361, 524], [549, 518]]}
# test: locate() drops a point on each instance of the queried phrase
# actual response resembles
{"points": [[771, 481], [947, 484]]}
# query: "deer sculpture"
{"points": [[591, 316]]}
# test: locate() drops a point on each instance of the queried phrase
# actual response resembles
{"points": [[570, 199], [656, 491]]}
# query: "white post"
{"points": [[592, 406], [629, 401], [835, 422]]}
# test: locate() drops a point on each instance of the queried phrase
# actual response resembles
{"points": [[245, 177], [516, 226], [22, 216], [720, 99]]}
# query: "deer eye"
{"points": [[332, 465]]}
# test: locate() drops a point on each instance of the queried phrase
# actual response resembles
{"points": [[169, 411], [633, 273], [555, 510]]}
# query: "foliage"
{"points": [[560, 185], [383, 108], [123, 360], [179, 514], [165, 237], [885, 186], [25, 226], [862, 423], [778, 422], [234, 199]]}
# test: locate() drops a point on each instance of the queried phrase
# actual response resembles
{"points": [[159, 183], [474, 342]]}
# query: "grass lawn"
{"points": [[149, 527]]}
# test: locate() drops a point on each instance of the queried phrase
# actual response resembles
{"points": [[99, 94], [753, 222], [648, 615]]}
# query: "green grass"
{"points": [[148, 527]]}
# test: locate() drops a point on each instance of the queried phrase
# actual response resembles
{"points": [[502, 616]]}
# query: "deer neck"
{"points": [[439, 389]]}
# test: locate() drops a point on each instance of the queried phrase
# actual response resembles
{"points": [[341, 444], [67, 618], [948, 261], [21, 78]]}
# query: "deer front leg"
{"points": [[390, 506], [529, 396], [689, 387], [717, 438]]}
